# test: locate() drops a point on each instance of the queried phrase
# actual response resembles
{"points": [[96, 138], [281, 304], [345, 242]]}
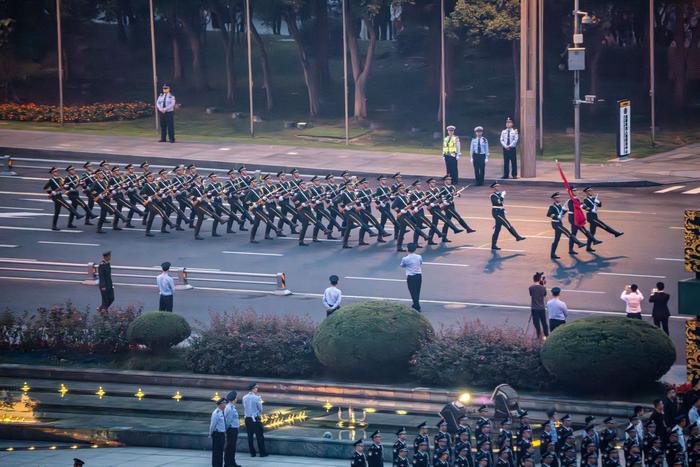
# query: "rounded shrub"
{"points": [[370, 337], [158, 330], [617, 352]]}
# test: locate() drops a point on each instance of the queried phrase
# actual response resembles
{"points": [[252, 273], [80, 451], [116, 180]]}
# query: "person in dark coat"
{"points": [[671, 407], [659, 418], [104, 275], [660, 313], [358, 458], [375, 452]]}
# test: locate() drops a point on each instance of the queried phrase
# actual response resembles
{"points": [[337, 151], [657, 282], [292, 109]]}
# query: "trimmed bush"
{"points": [[370, 337], [159, 330], [618, 352], [250, 344], [475, 355], [98, 112]]}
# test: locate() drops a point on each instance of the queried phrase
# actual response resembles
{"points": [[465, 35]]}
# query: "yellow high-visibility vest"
{"points": [[449, 145]]}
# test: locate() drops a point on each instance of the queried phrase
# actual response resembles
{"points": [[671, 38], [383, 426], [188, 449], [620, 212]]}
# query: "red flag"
{"points": [[579, 216]]}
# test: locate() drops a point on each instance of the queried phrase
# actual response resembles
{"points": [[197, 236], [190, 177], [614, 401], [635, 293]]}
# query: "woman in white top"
{"points": [[633, 298]]}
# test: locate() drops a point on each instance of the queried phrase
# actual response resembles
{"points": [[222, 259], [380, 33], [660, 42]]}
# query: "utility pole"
{"points": [[443, 91], [577, 98], [153, 58], [60, 60], [345, 74], [652, 72], [540, 72], [250, 69], [528, 87]]}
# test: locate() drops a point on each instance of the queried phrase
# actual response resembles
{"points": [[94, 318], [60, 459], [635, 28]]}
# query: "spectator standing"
{"points": [[692, 394], [414, 275], [694, 412], [671, 406], [233, 424], [538, 292], [252, 411], [217, 433], [557, 310], [104, 276], [332, 296], [659, 419], [509, 140], [660, 313], [633, 299], [166, 288], [479, 151]]}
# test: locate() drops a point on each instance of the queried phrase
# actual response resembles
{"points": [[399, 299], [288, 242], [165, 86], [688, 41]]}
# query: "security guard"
{"points": [[509, 140], [498, 211], [591, 205], [479, 151], [399, 444], [166, 112], [451, 150], [556, 212], [375, 453], [358, 456]]}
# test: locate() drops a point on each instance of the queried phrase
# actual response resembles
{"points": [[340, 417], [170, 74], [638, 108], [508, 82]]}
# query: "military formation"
{"points": [[289, 205], [500, 444]]}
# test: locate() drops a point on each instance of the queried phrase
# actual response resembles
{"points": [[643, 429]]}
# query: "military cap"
{"points": [[651, 423], [505, 421], [423, 442], [294, 171], [573, 188], [589, 418], [440, 452], [441, 422], [381, 177], [314, 178], [329, 176], [509, 119], [608, 420], [673, 433], [211, 174], [451, 127], [692, 425], [482, 442], [362, 180], [495, 184], [70, 167], [479, 128], [148, 174], [165, 85], [52, 169], [483, 408], [396, 175], [591, 454], [463, 447], [415, 183], [446, 177], [679, 418], [106, 253], [421, 425], [177, 167], [551, 412], [548, 454], [86, 165], [221, 400], [280, 173], [230, 171], [189, 166], [231, 396], [430, 180], [145, 163], [116, 168], [565, 417], [403, 449], [569, 447], [162, 171], [128, 166], [463, 417], [103, 162], [265, 177], [522, 413], [242, 168], [358, 442], [344, 173], [252, 386], [480, 456], [589, 427], [302, 182], [375, 434], [77, 461], [165, 266], [401, 430], [555, 195], [587, 189], [678, 461]]}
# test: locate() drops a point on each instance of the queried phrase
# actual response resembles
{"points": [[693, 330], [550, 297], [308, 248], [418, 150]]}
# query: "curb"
{"points": [[52, 153]]}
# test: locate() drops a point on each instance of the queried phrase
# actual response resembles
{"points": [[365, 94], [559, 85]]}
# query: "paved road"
{"points": [[464, 280]]}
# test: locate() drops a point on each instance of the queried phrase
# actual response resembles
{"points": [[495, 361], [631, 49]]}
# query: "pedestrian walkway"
{"points": [[63, 456], [678, 167]]}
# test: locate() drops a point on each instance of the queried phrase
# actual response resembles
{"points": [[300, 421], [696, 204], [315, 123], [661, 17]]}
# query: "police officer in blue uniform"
{"points": [[166, 111], [479, 151]]}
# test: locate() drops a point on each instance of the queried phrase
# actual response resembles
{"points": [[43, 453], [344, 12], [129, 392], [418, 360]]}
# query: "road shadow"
{"points": [[576, 272], [495, 263]]}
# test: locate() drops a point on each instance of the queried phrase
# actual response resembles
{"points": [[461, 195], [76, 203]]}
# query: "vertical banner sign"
{"points": [[624, 128]]}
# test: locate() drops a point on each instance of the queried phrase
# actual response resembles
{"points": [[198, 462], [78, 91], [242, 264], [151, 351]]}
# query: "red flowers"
{"points": [[98, 112]]}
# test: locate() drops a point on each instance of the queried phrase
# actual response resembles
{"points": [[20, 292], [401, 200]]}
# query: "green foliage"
{"points": [[158, 330], [251, 344], [475, 355], [616, 352], [370, 337], [489, 19]]}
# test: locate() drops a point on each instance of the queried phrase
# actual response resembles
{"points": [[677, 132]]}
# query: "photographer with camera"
{"points": [[538, 291]]}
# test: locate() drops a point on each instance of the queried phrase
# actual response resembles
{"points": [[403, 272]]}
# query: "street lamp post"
{"points": [[250, 69], [345, 75], [59, 44], [577, 97], [443, 91], [153, 58]]}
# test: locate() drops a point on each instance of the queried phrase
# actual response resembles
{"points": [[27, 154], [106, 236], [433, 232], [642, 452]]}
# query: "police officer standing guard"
{"points": [[479, 151], [451, 150], [509, 139], [166, 109]]}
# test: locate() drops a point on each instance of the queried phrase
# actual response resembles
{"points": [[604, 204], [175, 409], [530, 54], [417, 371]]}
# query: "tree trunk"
{"points": [[177, 73], [361, 73], [322, 40], [265, 65], [199, 77], [309, 77], [227, 37], [676, 59], [515, 48]]}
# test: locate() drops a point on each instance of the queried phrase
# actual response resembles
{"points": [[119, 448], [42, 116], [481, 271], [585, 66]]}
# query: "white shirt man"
{"points": [[509, 140]]}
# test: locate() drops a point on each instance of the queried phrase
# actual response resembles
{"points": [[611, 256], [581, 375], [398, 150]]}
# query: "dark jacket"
{"points": [[660, 301], [104, 273]]}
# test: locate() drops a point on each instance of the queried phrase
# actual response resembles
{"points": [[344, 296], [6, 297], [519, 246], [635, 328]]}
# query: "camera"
{"points": [[543, 278]]}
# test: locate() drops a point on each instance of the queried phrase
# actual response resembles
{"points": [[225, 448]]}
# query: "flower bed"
{"points": [[99, 112]]}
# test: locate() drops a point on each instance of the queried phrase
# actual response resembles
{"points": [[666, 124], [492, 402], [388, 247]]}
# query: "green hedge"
{"points": [[616, 352], [158, 330], [375, 337]]}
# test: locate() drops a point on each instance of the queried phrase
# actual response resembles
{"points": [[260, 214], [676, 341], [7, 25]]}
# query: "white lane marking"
{"points": [[374, 279], [17, 208], [24, 178], [630, 275], [670, 189], [251, 253], [45, 242], [23, 193], [670, 259], [23, 215], [694, 191], [677, 228], [488, 249], [8, 246], [17, 260], [544, 237], [468, 218], [224, 149], [448, 264], [360, 297], [36, 200], [38, 229], [583, 291], [297, 239]]}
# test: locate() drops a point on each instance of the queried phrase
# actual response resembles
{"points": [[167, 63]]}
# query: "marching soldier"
{"points": [[399, 444], [422, 456], [555, 212], [404, 216], [102, 194], [181, 191], [358, 456], [271, 194], [215, 192], [436, 207], [86, 180], [255, 200], [302, 200], [54, 188], [363, 196], [286, 190], [320, 202], [398, 180], [352, 213], [498, 211], [449, 192], [132, 183], [479, 155], [71, 184], [383, 197], [591, 205], [451, 150], [419, 199], [509, 140], [150, 192], [118, 188], [375, 453], [235, 188], [575, 228]]}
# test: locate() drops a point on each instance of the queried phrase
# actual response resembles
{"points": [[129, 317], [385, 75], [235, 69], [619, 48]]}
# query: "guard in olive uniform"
{"points": [[71, 184], [54, 188], [556, 212], [375, 453], [498, 211], [591, 205], [358, 456]]}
